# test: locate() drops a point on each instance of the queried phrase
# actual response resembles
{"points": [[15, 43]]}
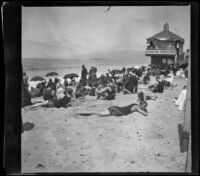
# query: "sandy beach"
{"points": [[62, 141]]}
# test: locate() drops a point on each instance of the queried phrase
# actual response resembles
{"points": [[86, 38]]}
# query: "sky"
{"points": [[69, 32]]}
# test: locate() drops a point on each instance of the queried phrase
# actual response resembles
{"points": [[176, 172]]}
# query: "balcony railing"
{"points": [[160, 52]]}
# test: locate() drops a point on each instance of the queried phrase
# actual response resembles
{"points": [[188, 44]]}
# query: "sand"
{"points": [[62, 141]]}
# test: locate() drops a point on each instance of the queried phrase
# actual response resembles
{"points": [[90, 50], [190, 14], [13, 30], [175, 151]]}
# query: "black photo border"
{"points": [[11, 35]]}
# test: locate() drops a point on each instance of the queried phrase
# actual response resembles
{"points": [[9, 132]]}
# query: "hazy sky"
{"points": [[65, 32]]}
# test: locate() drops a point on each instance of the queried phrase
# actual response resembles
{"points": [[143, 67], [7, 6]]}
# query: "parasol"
{"points": [[37, 78], [71, 75]]}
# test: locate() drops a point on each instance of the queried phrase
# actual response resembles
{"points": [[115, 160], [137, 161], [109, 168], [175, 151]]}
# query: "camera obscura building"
{"points": [[165, 48]]}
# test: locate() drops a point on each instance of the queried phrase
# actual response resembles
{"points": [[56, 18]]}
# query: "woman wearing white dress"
{"points": [[180, 102]]}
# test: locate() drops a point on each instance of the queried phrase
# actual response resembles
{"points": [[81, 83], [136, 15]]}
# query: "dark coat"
{"points": [[129, 84], [84, 73]]}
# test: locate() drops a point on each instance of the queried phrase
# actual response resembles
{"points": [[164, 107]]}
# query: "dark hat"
{"points": [[141, 95], [69, 91]]}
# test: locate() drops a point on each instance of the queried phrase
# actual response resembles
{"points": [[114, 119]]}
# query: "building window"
{"points": [[169, 61], [164, 61]]}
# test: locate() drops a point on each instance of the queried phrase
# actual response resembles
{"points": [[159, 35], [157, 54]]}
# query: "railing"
{"points": [[160, 52]]}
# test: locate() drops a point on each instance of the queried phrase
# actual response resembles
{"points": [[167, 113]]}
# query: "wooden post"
{"points": [[187, 119]]}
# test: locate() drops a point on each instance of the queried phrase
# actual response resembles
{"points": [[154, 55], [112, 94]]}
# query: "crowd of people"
{"points": [[106, 86]]}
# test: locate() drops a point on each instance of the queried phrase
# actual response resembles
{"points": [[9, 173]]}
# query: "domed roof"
{"points": [[166, 35]]}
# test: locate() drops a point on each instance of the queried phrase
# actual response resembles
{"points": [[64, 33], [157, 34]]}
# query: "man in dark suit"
{"points": [[84, 75]]}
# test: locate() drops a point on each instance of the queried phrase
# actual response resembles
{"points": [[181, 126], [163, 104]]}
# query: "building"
{"points": [[165, 48]]}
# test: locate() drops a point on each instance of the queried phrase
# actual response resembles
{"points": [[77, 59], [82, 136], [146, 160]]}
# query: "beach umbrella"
{"points": [[71, 75], [115, 71], [37, 78], [52, 74]]}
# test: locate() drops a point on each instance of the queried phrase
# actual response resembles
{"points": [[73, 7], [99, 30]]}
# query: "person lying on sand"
{"points": [[54, 102], [125, 110], [108, 92]]}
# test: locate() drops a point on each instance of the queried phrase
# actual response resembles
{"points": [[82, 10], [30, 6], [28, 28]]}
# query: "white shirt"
{"points": [[181, 99], [60, 93]]}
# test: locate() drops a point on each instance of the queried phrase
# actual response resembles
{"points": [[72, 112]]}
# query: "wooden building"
{"points": [[165, 48]]}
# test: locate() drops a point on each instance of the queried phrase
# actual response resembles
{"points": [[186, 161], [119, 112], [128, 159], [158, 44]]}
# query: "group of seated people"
{"points": [[113, 110], [56, 99], [42, 86], [163, 82], [104, 87], [61, 97]]}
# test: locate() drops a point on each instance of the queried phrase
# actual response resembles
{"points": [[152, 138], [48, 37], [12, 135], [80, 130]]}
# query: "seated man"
{"points": [[107, 92], [158, 87], [120, 111], [169, 80], [35, 92], [119, 85], [48, 93], [92, 91]]}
